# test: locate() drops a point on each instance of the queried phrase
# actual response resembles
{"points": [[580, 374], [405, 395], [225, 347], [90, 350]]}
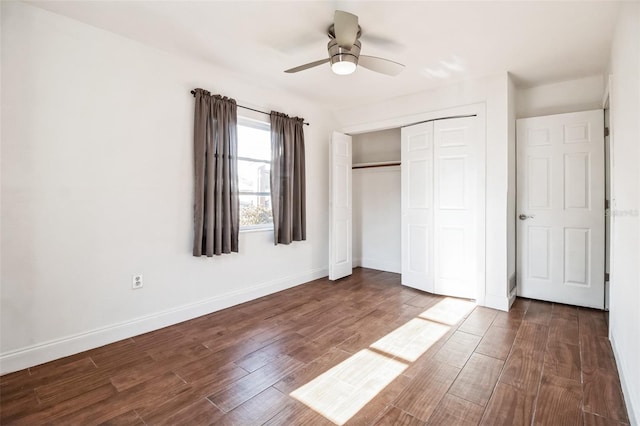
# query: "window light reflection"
{"points": [[340, 392]]}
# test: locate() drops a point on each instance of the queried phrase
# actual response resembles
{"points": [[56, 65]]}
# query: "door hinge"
{"points": [[606, 131], [606, 277], [606, 204]]}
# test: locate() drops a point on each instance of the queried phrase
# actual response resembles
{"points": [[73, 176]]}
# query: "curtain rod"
{"points": [[193, 92]]}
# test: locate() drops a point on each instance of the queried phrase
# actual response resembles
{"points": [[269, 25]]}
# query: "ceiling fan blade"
{"points": [[307, 66], [380, 65], [345, 27]]}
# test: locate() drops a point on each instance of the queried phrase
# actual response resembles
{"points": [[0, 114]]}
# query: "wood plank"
{"points": [[559, 402], [563, 360], [563, 330], [421, 397], [595, 420], [532, 336], [298, 414], [497, 342], [254, 383], [457, 350], [603, 395], [258, 409], [523, 370], [539, 312], [477, 379], [456, 411], [374, 408], [597, 353], [393, 416], [130, 418], [153, 392], [508, 407], [50, 413], [200, 412], [310, 371], [592, 322], [479, 321]]}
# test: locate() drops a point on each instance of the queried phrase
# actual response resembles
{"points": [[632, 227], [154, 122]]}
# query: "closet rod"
{"points": [[193, 92]]}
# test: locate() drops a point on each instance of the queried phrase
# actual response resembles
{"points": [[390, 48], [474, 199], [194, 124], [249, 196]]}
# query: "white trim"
{"points": [[44, 352], [407, 120], [381, 265], [632, 401], [501, 303]]}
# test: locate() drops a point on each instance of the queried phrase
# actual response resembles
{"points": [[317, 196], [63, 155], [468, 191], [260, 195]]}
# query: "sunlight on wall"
{"points": [[339, 393]]}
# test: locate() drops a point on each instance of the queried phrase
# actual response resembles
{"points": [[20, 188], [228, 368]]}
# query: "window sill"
{"points": [[257, 229]]}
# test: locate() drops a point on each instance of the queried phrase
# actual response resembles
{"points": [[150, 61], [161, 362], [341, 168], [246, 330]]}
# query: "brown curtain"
{"points": [[288, 192], [215, 147]]}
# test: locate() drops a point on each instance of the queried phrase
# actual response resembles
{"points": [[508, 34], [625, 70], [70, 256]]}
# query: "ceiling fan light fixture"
{"points": [[343, 67], [343, 61]]}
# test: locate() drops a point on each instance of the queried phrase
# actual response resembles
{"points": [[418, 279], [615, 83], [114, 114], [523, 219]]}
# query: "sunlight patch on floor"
{"points": [[412, 339], [342, 391], [339, 393], [449, 311]]}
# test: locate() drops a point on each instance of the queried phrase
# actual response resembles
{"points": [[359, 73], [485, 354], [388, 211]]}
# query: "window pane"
{"points": [[253, 176], [254, 143], [255, 210]]}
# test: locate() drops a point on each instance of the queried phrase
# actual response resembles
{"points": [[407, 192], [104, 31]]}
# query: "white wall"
{"points": [[624, 317], [376, 218], [492, 92], [97, 185], [376, 146], [582, 94]]}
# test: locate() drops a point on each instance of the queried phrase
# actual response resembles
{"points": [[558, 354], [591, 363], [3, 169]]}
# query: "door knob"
{"points": [[525, 217]]}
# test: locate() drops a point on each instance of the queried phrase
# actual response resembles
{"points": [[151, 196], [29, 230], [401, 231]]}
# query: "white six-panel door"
{"points": [[340, 208], [457, 185], [442, 202], [560, 208], [417, 206]]}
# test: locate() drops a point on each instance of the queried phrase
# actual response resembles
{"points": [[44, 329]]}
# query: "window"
{"points": [[254, 169]]}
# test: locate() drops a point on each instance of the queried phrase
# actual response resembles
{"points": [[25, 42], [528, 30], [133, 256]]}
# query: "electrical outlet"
{"points": [[136, 281]]}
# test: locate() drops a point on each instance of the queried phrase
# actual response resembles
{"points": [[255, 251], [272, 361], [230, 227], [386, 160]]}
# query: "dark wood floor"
{"points": [[541, 363]]}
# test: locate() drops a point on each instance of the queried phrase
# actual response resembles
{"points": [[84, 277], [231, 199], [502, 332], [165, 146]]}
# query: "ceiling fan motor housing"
{"points": [[341, 54]]}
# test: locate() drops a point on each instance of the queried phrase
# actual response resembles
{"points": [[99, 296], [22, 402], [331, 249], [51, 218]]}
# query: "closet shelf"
{"points": [[375, 164]]}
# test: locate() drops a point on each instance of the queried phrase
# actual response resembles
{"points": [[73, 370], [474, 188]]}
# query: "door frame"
{"points": [[478, 109], [608, 185]]}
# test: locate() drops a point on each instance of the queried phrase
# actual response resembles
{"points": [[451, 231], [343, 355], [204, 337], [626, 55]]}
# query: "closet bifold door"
{"points": [[457, 196], [441, 200], [417, 206]]}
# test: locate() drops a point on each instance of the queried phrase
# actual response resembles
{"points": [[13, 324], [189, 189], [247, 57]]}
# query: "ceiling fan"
{"points": [[344, 50]]}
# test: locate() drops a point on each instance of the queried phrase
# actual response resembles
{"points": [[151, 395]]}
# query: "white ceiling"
{"points": [[439, 42]]}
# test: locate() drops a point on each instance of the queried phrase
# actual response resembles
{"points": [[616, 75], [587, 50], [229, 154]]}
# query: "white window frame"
{"points": [[261, 125]]}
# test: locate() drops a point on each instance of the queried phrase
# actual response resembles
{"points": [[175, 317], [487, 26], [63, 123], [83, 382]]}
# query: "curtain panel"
{"points": [[215, 146], [288, 193]]}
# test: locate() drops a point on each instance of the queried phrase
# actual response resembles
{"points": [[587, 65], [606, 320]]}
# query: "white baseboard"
{"points": [[356, 262], [632, 401], [381, 265], [502, 303], [48, 351]]}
